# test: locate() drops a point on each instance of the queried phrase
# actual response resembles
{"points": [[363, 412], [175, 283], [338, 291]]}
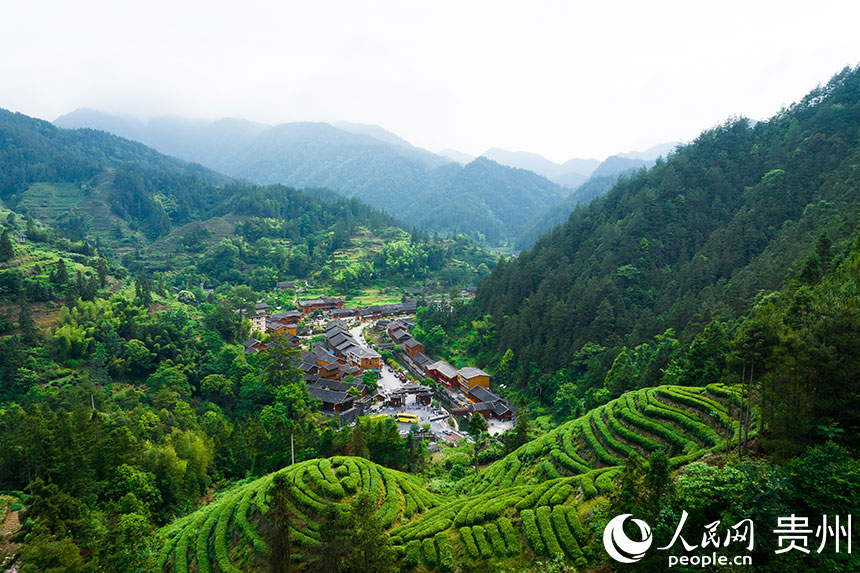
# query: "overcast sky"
{"points": [[563, 79]]}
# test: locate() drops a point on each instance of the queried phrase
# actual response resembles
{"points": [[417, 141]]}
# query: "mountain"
{"points": [[685, 245], [574, 172], [457, 156], [174, 215], [601, 180], [531, 161], [558, 213], [483, 199], [652, 153], [356, 160]]}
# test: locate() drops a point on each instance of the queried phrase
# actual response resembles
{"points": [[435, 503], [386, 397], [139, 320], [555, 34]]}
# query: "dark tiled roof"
{"points": [[482, 394], [339, 386], [501, 407], [471, 372], [412, 343], [328, 396], [444, 369]]}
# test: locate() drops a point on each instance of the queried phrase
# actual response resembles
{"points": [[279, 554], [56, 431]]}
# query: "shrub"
{"points": [[565, 536], [413, 553], [604, 483], [532, 533], [203, 541], [634, 437], [531, 499], [430, 556], [222, 555], [587, 483], [469, 541], [446, 556], [512, 538], [576, 527], [481, 541], [607, 437], [249, 532], [547, 534], [568, 462], [496, 539], [631, 415], [599, 451]]}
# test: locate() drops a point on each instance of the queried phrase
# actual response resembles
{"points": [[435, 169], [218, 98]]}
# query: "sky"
{"points": [[560, 78]]}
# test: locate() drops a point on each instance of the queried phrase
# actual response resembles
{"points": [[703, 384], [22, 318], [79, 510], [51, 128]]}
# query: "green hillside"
{"points": [[519, 509], [160, 214], [688, 243]]}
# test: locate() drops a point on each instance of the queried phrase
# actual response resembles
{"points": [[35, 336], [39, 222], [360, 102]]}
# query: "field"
{"points": [[529, 505]]}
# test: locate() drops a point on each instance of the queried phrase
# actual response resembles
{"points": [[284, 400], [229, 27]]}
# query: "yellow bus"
{"points": [[407, 418]]}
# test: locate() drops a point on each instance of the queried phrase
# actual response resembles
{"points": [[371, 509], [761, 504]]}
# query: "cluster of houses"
{"points": [[377, 311], [343, 345], [326, 367], [346, 400], [281, 322], [474, 383], [323, 303]]}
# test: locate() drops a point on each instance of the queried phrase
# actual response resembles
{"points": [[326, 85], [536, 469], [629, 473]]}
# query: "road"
{"points": [[388, 382]]}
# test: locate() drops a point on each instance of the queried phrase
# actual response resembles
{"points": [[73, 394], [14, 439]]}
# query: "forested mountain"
{"points": [[559, 213], [571, 174], [575, 172], [356, 160], [684, 246], [162, 213], [483, 199]]}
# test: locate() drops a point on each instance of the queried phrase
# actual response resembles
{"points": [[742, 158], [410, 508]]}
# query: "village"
{"points": [[346, 373]]}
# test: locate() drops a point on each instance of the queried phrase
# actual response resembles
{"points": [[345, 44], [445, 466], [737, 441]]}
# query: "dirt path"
{"points": [[8, 550]]}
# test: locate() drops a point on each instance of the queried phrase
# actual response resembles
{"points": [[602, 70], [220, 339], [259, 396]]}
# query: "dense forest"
{"points": [[685, 348], [674, 257]]}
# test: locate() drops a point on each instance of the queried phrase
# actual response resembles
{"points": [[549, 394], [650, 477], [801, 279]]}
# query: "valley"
{"points": [[202, 373]]}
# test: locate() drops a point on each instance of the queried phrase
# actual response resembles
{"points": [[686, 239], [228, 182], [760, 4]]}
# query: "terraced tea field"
{"points": [[523, 507]]}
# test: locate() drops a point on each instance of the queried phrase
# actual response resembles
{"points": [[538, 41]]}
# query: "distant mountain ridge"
{"points": [[574, 172], [363, 161]]}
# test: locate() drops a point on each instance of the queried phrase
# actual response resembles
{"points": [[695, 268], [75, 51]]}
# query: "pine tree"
{"points": [[61, 275], [278, 520], [26, 324], [6, 250], [102, 270], [359, 445]]}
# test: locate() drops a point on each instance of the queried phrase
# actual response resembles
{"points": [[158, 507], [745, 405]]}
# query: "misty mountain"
{"points": [[356, 160], [695, 240], [457, 156], [120, 193], [488, 201], [652, 153], [531, 161], [576, 171], [602, 179]]}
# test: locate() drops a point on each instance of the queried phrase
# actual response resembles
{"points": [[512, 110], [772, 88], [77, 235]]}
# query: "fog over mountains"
{"points": [[495, 198]]}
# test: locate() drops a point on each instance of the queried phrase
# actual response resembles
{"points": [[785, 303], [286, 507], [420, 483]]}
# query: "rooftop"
{"points": [[471, 372]]}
